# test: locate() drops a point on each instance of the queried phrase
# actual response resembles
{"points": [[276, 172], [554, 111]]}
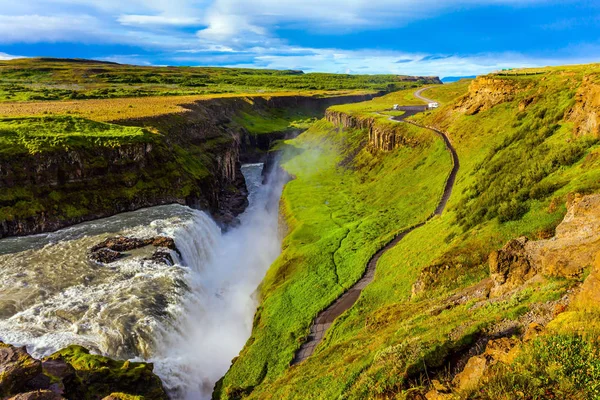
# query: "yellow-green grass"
{"points": [[33, 135], [63, 79], [132, 108], [390, 336], [379, 107], [448, 92]]}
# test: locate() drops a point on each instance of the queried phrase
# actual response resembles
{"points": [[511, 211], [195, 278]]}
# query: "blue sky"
{"points": [[417, 37]]}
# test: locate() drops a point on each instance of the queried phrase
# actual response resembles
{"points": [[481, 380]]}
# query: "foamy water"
{"points": [[190, 319]]}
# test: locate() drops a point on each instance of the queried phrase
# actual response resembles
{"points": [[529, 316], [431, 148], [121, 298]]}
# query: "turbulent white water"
{"points": [[190, 319]]}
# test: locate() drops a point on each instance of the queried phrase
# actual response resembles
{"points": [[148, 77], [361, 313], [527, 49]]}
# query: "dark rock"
{"points": [[38, 382], [17, 367], [510, 266], [61, 370], [38, 395], [163, 241], [105, 256], [122, 243], [161, 257]]}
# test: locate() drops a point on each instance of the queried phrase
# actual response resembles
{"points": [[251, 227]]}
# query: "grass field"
{"points": [[31, 135], [520, 160], [62, 79]]}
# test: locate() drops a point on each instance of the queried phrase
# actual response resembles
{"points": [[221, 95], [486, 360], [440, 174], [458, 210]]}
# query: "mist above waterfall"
{"points": [[218, 314]]}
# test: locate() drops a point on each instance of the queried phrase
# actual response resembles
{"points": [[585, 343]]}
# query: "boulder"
{"points": [[470, 376], [533, 330], [510, 266], [122, 243], [575, 243], [17, 367], [105, 256], [163, 241], [161, 257], [38, 395], [572, 249], [502, 350]]}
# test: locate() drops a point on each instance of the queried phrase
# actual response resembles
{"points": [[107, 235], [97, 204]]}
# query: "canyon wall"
{"points": [[193, 159], [382, 137]]}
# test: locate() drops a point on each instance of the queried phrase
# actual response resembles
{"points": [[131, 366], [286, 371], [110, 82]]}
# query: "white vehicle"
{"points": [[396, 106], [433, 105]]}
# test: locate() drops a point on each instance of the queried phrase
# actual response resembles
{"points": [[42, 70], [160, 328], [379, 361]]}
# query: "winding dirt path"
{"points": [[325, 318]]}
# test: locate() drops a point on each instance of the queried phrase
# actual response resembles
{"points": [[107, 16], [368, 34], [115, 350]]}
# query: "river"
{"points": [[190, 319]]}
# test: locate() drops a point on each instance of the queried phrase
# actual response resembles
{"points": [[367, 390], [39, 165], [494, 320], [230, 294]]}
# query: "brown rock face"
{"points": [[586, 113], [485, 93], [510, 266], [567, 254], [576, 242], [16, 369], [382, 138], [470, 376]]}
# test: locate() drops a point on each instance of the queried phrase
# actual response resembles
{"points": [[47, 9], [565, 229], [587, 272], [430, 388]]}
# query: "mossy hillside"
{"points": [[385, 343], [99, 376], [32, 135], [368, 345], [343, 204], [117, 165]]}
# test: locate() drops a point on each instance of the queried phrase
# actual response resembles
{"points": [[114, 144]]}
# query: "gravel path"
{"points": [[325, 318]]}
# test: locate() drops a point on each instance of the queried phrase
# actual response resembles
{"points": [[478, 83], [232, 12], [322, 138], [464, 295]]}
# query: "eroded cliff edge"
{"points": [[191, 158]]}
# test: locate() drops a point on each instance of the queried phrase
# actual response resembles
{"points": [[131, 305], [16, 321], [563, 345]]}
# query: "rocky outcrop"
{"points": [[476, 371], [74, 373], [381, 137], [486, 92], [17, 368], [585, 114], [511, 266], [112, 249], [567, 254]]}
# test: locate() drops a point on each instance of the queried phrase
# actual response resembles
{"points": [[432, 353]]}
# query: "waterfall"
{"points": [[190, 318], [218, 313]]}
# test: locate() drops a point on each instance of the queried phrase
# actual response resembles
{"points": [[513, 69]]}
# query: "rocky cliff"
{"points": [[585, 114], [486, 92], [382, 137], [193, 159]]}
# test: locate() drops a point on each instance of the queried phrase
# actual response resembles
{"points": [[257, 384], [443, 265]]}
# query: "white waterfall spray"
{"points": [[218, 314]]}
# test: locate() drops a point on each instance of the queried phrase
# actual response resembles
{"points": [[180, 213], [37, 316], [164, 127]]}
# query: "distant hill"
{"points": [[450, 79]]}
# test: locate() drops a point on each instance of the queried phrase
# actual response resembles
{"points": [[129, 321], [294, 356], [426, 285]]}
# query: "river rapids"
{"points": [[190, 319]]}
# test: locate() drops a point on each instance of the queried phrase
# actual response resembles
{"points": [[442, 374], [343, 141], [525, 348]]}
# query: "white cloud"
{"points": [[36, 28], [4, 56], [245, 32], [132, 19]]}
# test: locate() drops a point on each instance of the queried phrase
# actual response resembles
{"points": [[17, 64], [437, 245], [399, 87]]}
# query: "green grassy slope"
{"points": [[344, 204], [519, 161], [44, 134]]}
